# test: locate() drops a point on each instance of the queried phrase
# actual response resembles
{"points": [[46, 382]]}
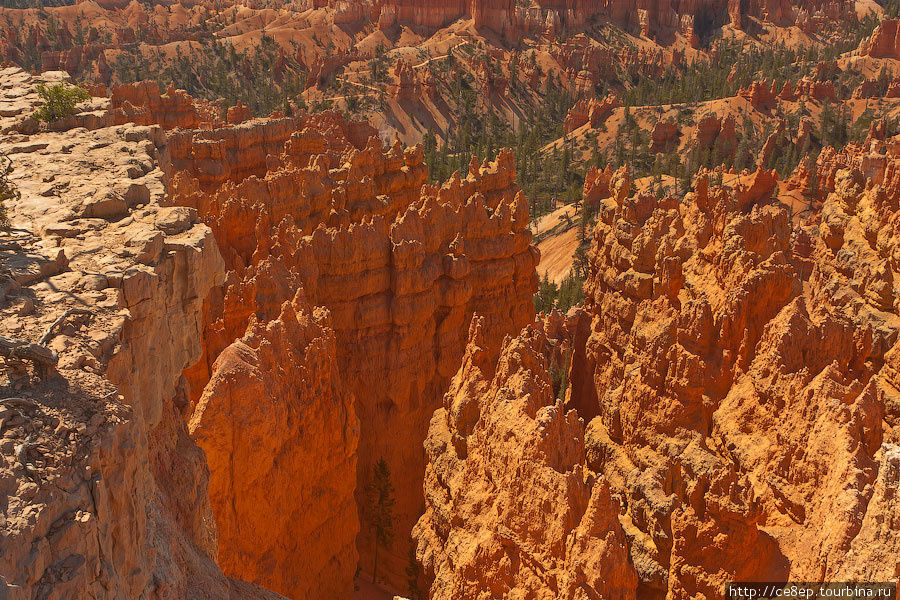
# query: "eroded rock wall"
{"points": [[732, 369], [280, 434], [722, 331], [509, 508], [401, 267]]}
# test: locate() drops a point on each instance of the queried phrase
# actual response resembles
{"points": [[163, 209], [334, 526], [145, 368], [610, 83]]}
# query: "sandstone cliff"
{"points": [[283, 466], [107, 492], [510, 510], [732, 370], [400, 265]]}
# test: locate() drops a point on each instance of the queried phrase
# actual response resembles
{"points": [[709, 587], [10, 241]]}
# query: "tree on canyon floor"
{"points": [[380, 509], [413, 573]]}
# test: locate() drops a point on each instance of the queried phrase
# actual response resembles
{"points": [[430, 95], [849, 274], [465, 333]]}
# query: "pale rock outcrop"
{"points": [[107, 492]]}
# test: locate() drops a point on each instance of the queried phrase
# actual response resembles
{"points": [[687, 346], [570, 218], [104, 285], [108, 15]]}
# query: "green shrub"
{"points": [[8, 190], [59, 101]]}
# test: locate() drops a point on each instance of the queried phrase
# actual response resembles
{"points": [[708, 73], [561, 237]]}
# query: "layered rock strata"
{"points": [[401, 267]]}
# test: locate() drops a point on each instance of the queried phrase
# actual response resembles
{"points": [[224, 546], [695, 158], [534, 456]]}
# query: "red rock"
{"points": [[759, 94], [804, 134], [688, 31], [596, 185], [346, 12], [296, 442], [426, 13], [142, 103], [405, 87], [663, 135], [594, 111], [644, 22], [772, 143], [734, 13], [884, 42], [717, 134], [787, 92], [762, 322], [401, 267], [816, 90], [497, 15], [237, 114]]}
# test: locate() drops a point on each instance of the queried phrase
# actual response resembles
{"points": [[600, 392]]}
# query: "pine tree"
{"points": [[413, 573], [380, 508]]}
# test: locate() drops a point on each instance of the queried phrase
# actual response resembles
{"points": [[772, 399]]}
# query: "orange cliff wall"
{"points": [[510, 509], [400, 266], [737, 375], [280, 435], [719, 333]]}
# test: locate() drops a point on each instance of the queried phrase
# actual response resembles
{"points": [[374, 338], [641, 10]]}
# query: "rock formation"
{"points": [[663, 135], [401, 266], [760, 94], [107, 493], [591, 111], [424, 13], [325, 336], [715, 134], [736, 373], [497, 15], [599, 185], [244, 315], [405, 85], [884, 41], [237, 114], [654, 19], [142, 103], [509, 507], [283, 467]]}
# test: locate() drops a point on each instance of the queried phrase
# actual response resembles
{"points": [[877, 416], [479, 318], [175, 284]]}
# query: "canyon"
{"points": [[361, 283], [221, 332]]}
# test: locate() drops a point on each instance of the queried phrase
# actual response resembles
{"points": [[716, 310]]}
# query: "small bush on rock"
{"points": [[59, 101], [8, 190]]}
